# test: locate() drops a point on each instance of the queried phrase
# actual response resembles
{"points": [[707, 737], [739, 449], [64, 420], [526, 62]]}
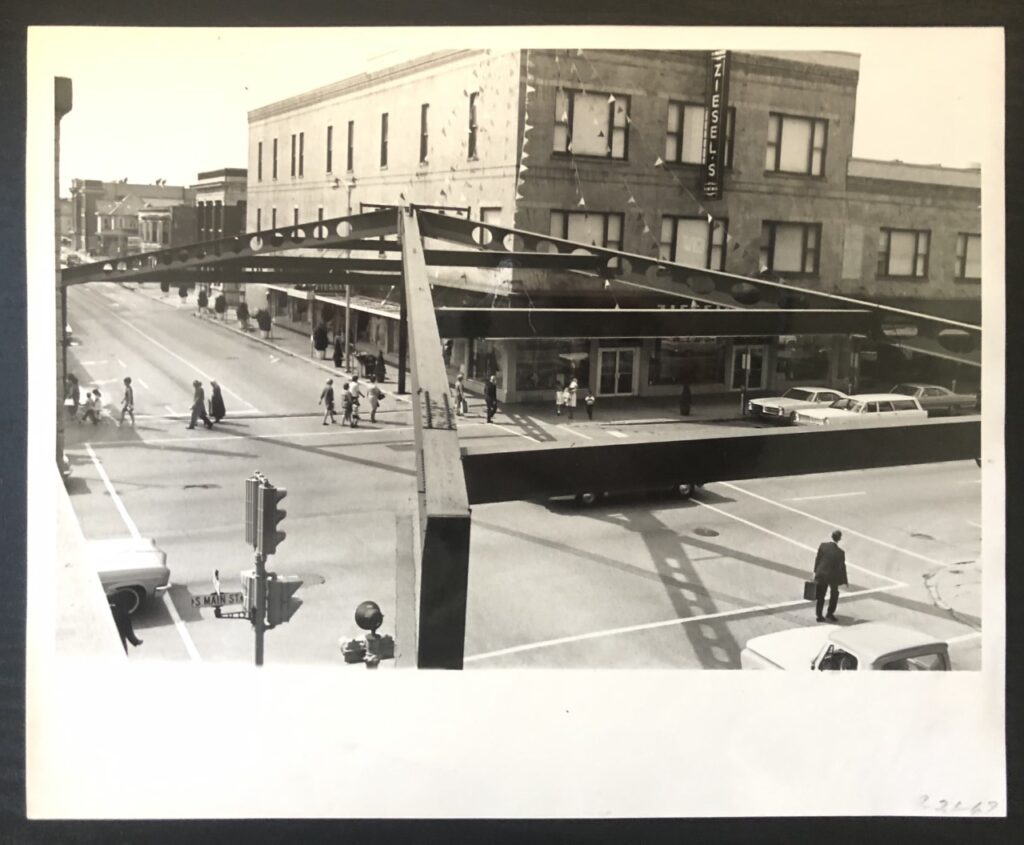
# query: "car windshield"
{"points": [[797, 393], [905, 389], [846, 404]]}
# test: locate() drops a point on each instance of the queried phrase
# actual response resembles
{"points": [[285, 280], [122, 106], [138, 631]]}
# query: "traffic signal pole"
{"points": [[259, 623]]}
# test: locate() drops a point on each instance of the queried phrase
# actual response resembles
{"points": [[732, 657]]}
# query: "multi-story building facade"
{"points": [[114, 206], [610, 148], [220, 213]]}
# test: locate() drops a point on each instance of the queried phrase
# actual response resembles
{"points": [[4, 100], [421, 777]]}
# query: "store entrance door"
{"points": [[748, 367], [617, 366]]}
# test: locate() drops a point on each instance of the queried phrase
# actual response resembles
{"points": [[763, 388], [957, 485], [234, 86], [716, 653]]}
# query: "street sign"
{"points": [[216, 599]]}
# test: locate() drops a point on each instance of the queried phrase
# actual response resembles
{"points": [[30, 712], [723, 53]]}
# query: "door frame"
{"points": [[740, 348], [600, 366]]}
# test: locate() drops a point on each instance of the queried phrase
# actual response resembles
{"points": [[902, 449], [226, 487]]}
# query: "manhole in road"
{"points": [[201, 487], [705, 532], [921, 536]]}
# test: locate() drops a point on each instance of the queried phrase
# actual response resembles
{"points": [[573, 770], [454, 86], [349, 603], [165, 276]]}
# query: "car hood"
{"points": [[822, 413], [793, 649], [781, 402]]}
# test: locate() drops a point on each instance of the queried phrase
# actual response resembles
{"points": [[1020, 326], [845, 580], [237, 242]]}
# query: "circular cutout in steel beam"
{"points": [[482, 235], [700, 284], [745, 293], [957, 340]]}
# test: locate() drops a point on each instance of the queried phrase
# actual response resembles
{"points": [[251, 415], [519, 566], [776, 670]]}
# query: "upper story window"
{"points": [[295, 216], [968, 257], [293, 155], [349, 150], [693, 241], [273, 217], [490, 214], [384, 140], [592, 124], [792, 248], [684, 134], [302, 152], [597, 228], [330, 148], [274, 160], [903, 253], [259, 219], [796, 144], [471, 145], [424, 131], [259, 162]]}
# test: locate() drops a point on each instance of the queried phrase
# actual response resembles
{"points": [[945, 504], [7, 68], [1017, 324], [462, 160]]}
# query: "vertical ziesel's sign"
{"points": [[716, 110]]}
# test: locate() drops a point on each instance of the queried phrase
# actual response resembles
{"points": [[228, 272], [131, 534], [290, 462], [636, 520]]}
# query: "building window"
{"points": [[796, 145], [302, 152], [471, 148], [968, 257], [490, 215], [684, 135], [273, 217], [483, 360], [384, 140], [320, 233], [259, 162], [791, 247], [293, 155], [602, 229], [903, 253], [590, 124], [686, 360], [348, 151], [259, 219], [693, 241], [424, 112], [330, 148], [295, 216], [274, 161]]}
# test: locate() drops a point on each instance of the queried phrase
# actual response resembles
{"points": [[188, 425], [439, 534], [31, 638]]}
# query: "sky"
{"points": [[168, 103]]}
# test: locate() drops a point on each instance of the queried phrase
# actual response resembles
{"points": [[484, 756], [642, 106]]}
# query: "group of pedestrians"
{"points": [[351, 395], [566, 397], [217, 410]]}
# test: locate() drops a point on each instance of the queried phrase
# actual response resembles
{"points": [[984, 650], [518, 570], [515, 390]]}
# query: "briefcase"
{"points": [[810, 590]]}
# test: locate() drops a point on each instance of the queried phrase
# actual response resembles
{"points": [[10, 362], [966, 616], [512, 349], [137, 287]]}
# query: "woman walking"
{"points": [[376, 394], [217, 410], [461, 405], [128, 402], [327, 400], [559, 399], [570, 397]]}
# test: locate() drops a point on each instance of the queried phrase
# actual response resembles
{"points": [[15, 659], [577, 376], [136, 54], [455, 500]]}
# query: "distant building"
{"points": [[96, 203], [220, 201], [609, 147], [165, 223], [66, 218]]}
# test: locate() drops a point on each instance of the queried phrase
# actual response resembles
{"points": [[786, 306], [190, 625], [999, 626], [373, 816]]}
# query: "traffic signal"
{"points": [[270, 517], [281, 601], [248, 577], [252, 513]]}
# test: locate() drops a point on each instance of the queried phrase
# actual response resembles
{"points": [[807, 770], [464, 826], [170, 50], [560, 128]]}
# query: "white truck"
{"points": [[867, 646]]}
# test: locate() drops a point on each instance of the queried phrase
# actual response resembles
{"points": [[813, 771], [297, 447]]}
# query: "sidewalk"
{"points": [[624, 410]]}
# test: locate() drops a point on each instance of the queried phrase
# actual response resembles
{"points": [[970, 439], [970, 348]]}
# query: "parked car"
{"points": [[134, 567], [867, 646], [865, 409], [936, 400], [783, 408]]}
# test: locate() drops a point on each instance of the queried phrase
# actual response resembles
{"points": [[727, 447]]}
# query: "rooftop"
{"points": [[902, 171]]}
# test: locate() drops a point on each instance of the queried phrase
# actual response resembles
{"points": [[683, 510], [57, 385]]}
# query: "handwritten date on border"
{"points": [[945, 805]]}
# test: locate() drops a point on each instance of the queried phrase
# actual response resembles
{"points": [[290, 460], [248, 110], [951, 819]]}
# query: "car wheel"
{"points": [[586, 499], [684, 490], [130, 598]]}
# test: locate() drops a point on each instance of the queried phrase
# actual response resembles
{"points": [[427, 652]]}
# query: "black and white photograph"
{"points": [[561, 403]]}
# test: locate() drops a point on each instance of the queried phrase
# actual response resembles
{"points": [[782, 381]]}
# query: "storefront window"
{"points": [[483, 361], [676, 360], [544, 364]]}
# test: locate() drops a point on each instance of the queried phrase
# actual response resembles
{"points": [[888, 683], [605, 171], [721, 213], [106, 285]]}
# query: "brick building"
{"points": [[610, 147], [114, 206]]}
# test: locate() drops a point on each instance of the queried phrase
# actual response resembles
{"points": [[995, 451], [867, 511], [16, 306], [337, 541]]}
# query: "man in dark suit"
{"points": [[829, 574], [491, 397]]}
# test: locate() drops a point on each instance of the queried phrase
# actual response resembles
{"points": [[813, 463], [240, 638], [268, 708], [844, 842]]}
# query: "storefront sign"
{"points": [[716, 107]]}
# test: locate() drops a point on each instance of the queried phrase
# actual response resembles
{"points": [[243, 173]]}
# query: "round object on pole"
{"points": [[369, 616]]}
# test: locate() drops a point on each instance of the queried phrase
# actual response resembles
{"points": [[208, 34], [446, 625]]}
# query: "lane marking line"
{"points": [[124, 366], [190, 646], [172, 412], [174, 354], [575, 432], [824, 496], [511, 430], [140, 381], [725, 513], [843, 528], [132, 528], [665, 623], [616, 433], [215, 438], [91, 363], [973, 524]]}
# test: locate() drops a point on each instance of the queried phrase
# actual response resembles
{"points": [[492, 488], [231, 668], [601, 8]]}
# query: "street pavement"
{"points": [[631, 583]]}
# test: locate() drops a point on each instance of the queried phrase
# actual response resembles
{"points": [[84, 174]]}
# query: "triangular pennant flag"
{"points": [[523, 167], [568, 147], [611, 98], [632, 200], [647, 229], [525, 154], [628, 120], [658, 162], [529, 88], [519, 196], [607, 284], [582, 202], [579, 51], [735, 246], [764, 268], [565, 117], [527, 126], [599, 134], [710, 219]]}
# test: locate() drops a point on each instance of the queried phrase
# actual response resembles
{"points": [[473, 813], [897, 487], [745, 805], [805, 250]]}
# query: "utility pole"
{"points": [[259, 622]]}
